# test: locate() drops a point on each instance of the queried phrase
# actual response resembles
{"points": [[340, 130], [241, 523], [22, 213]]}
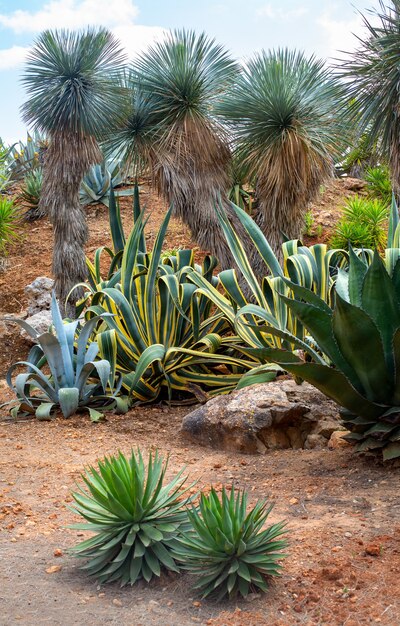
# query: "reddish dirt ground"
{"points": [[343, 511]]}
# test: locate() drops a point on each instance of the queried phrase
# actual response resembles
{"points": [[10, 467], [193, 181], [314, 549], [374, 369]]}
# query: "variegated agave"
{"points": [[77, 381], [169, 341]]}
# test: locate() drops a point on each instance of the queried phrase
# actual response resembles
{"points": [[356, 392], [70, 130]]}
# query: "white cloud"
{"points": [[12, 57], [71, 14], [281, 14], [341, 35], [117, 15]]}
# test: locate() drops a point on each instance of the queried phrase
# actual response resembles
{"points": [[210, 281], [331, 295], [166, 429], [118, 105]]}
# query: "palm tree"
{"points": [[282, 112], [74, 98], [176, 84], [372, 77]]}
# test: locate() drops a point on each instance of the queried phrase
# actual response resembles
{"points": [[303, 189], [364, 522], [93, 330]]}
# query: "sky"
{"points": [[243, 26]]}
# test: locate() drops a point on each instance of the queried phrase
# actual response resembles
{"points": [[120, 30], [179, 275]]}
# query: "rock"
{"points": [[354, 184], [40, 322], [39, 294], [336, 440], [372, 549], [276, 415]]}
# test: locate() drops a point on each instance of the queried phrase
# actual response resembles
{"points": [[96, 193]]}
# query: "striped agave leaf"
{"points": [[260, 317], [163, 335]]}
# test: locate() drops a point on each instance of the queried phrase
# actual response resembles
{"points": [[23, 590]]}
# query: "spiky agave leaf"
{"points": [[228, 548], [136, 518]]}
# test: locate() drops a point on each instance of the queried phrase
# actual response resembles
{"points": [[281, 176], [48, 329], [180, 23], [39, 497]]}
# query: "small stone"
{"points": [[13, 540], [293, 501], [58, 552], [336, 440], [53, 569], [348, 535], [373, 549], [117, 602], [196, 603]]}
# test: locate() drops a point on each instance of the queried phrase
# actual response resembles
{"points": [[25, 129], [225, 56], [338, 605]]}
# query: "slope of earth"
{"points": [[343, 514]]}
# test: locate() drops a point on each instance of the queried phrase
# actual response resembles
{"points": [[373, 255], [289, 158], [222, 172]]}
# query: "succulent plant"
{"points": [[96, 185], [30, 193], [360, 339], [136, 518], [77, 381], [227, 547]]}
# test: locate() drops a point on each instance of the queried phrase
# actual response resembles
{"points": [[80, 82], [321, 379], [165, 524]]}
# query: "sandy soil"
{"points": [[343, 511]]}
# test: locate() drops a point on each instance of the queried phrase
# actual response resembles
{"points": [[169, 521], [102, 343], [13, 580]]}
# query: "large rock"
{"points": [[280, 414], [39, 294]]}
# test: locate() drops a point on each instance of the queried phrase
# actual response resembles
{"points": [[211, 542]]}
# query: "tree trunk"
{"points": [[68, 158]]}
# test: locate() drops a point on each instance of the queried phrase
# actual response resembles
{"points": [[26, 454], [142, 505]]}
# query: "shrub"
{"points": [[77, 381], [9, 224], [227, 547], [30, 193], [136, 518], [379, 184], [362, 224]]}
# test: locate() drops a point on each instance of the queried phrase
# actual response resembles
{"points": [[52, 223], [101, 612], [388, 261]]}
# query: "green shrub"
{"points": [[308, 223], [9, 224], [76, 381], [360, 337], [30, 191], [378, 183], [227, 548], [136, 518], [362, 224]]}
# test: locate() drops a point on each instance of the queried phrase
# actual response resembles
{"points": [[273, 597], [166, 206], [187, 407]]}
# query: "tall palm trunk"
{"points": [[67, 159]]}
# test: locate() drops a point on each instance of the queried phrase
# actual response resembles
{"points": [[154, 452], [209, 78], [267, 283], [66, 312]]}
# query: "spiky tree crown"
{"points": [[185, 73], [71, 80]]}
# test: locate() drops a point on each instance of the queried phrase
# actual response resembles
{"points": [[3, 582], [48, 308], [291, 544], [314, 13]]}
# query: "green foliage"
{"points": [[360, 157], [67, 75], [227, 548], [362, 224], [260, 317], [31, 189], [96, 185], [370, 74], [24, 158], [378, 183], [76, 381], [136, 518], [361, 338], [308, 223], [241, 191], [9, 224], [169, 341]]}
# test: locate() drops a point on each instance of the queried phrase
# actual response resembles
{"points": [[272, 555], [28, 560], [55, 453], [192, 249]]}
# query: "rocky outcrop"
{"points": [[276, 415]]}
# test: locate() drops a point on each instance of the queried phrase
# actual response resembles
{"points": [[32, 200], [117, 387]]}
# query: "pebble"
{"points": [[348, 535], [117, 602]]}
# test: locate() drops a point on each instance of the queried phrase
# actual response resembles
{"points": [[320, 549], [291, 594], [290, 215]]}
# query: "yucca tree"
{"points": [[176, 84], [282, 111], [372, 74], [74, 98]]}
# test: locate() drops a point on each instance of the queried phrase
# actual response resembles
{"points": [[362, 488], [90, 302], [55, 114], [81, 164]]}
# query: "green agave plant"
{"points": [[169, 340], [77, 381], [26, 156], [228, 548], [135, 516], [361, 339]]}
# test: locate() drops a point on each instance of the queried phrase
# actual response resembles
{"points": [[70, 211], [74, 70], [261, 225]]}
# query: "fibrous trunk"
{"points": [[288, 180], [191, 173], [68, 158]]}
